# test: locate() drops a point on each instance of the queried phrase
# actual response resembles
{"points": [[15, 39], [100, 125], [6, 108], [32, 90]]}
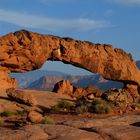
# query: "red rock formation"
{"points": [[25, 51], [63, 87], [5, 80]]}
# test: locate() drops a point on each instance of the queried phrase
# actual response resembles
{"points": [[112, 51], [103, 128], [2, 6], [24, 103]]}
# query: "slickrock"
{"points": [[111, 128], [25, 51], [50, 132], [32, 132], [21, 97], [101, 129]]}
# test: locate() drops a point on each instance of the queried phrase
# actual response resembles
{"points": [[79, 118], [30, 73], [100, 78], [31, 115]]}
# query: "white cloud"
{"points": [[51, 24], [126, 2]]}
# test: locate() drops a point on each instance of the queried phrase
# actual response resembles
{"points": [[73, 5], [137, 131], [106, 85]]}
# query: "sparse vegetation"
{"points": [[55, 109], [8, 113], [100, 106], [82, 105], [61, 106], [98, 101], [65, 104], [20, 112], [81, 109], [48, 120]]}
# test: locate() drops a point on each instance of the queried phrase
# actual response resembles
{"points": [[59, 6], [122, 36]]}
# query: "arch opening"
{"points": [[53, 71]]}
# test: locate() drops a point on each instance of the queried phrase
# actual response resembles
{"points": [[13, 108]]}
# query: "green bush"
{"points": [[102, 109], [81, 101], [55, 109], [98, 101], [82, 105], [20, 112], [7, 113], [48, 120], [81, 109], [65, 104], [60, 106], [100, 106]]}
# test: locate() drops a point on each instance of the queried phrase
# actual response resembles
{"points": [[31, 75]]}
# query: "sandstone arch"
{"points": [[25, 51]]}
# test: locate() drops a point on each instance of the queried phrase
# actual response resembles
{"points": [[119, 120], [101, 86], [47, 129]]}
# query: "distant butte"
{"points": [[24, 51]]}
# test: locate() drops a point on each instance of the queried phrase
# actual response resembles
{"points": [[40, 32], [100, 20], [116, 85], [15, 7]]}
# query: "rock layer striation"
{"points": [[24, 51]]}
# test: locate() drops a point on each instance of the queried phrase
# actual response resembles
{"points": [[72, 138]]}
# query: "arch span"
{"points": [[25, 51]]}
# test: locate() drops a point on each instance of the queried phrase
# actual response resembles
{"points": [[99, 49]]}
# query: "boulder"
{"points": [[21, 97], [34, 117], [25, 51], [63, 87]]}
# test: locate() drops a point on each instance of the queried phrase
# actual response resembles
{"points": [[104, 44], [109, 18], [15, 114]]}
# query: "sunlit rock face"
{"points": [[24, 51]]}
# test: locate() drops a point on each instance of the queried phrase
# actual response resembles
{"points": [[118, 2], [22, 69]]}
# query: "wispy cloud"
{"points": [[51, 24], [126, 2]]}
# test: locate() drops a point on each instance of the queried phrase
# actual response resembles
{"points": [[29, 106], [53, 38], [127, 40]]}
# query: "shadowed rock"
{"points": [[25, 51]]}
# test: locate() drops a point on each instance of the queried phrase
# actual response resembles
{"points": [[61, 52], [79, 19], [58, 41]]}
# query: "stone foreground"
{"points": [[95, 129], [119, 127], [24, 51]]}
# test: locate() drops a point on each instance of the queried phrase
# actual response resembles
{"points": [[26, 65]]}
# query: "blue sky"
{"points": [[116, 22]]}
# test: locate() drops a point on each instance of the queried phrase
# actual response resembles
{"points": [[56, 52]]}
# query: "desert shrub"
{"points": [[100, 106], [48, 120], [102, 109], [55, 109], [65, 104], [82, 105], [7, 113], [98, 101], [20, 112], [81, 109], [81, 101], [61, 106]]}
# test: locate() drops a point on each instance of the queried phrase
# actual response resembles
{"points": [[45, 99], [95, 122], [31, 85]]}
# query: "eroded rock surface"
{"points": [[21, 97], [25, 51], [112, 128], [66, 127]]}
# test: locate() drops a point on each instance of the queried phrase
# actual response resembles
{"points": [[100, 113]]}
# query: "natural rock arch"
{"points": [[25, 51]]}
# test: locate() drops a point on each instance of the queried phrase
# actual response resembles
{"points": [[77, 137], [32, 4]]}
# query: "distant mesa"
{"points": [[24, 51], [47, 82]]}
